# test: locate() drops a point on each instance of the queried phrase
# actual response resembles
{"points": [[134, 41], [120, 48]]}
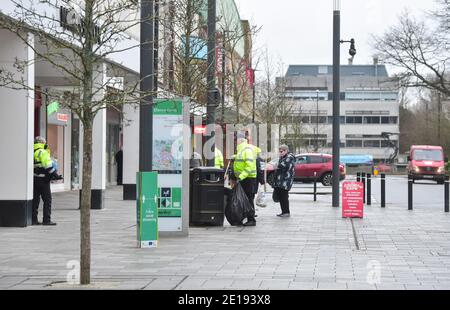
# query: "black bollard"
{"points": [[446, 194], [369, 189], [363, 180], [358, 177], [410, 193], [315, 186], [383, 190]]}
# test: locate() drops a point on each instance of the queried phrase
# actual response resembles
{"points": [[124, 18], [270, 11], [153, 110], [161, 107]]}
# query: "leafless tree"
{"points": [[272, 104], [420, 48], [234, 38], [186, 49]]}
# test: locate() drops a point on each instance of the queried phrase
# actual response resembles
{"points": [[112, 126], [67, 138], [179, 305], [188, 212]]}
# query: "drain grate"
{"points": [[355, 237]]}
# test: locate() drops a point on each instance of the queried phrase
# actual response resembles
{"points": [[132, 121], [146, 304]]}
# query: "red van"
{"points": [[427, 162]]}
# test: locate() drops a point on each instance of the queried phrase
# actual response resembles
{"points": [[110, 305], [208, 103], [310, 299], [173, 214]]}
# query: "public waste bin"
{"points": [[207, 196]]}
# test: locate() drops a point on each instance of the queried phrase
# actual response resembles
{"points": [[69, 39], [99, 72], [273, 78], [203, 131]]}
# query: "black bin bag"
{"points": [[237, 207]]}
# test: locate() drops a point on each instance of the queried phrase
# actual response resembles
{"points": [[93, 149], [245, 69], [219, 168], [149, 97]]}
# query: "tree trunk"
{"points": [[85, 208]]}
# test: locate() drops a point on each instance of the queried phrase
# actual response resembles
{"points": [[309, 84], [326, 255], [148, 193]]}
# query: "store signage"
{"points": [[62, 117], [352, 199], [200, 129], [53, 107]]}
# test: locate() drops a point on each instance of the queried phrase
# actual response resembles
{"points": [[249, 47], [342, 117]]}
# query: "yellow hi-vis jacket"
{"points": [[245, 162], [43, 165], [218, 158], [256, 150]]}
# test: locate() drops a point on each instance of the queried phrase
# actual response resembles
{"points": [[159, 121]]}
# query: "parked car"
{"points": [[382, 168], [426, 162], [306, 165]]}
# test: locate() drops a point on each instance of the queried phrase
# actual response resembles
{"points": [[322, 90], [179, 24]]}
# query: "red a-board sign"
{"points": [[352, 199]]}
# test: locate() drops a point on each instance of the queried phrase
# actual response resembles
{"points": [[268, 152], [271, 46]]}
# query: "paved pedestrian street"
{"points": [[315, 248]]}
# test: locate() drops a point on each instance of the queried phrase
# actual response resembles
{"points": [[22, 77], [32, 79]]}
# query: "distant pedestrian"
{"points": [[284, 178], [119, 162]]}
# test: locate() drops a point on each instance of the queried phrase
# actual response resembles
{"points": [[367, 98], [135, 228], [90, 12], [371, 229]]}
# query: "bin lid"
{"points": [[208, 170]]}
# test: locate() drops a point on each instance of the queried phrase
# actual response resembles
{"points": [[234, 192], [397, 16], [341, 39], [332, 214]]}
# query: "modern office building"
{"points": [[369, 106]]}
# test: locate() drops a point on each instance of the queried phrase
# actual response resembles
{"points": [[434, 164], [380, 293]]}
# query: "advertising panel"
{"points": [[352, 199]]}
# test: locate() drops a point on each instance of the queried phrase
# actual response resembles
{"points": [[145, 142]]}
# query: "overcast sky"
{"points": [[301, 31]]}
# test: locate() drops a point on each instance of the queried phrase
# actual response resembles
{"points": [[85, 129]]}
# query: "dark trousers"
{"points": [[248, 185], [284, 199], [42, 189], [119, 174]]}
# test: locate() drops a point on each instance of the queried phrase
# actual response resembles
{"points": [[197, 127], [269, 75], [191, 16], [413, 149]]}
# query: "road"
{"points": [[426, 194]]}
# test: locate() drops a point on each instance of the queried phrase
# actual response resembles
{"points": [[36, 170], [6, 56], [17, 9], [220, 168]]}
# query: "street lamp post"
{"points": [[147, 87], [223, 76], [336, 95], [210, 79], [336, 101]]}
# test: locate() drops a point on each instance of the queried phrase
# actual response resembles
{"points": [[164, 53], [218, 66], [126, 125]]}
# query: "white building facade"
{"points": [[369, 106], [25, 114]]}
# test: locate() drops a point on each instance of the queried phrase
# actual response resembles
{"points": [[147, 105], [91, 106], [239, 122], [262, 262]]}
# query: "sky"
{"points": [[301, 31]]}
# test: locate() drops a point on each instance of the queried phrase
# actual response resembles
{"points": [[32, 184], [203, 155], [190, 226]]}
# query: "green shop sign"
{"points": [[168, 107], [53, 108]]}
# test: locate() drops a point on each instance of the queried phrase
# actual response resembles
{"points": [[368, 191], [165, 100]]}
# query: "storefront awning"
{"points": [[357, 159]]}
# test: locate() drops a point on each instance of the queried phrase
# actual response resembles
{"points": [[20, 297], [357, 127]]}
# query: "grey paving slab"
{"points": [[314, 249]]}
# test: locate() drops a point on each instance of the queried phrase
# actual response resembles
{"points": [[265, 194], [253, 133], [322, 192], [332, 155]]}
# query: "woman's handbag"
{"points": [[275, 196]]}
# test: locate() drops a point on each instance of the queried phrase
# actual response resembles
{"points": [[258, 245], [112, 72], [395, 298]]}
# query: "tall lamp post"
{"points": [[147, 86], [336, 95], [210, 79], [336, 102], [223, 76]]}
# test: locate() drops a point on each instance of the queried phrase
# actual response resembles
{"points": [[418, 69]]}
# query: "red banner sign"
{"points": [[250, 74], [62, 117], [219, 60], [352, 199]]}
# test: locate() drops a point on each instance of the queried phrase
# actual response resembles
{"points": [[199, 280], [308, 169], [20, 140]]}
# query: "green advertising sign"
{"points": [[147, 209]]}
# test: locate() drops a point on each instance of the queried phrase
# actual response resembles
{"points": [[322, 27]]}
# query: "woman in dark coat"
{"points": [[284, 178]]}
